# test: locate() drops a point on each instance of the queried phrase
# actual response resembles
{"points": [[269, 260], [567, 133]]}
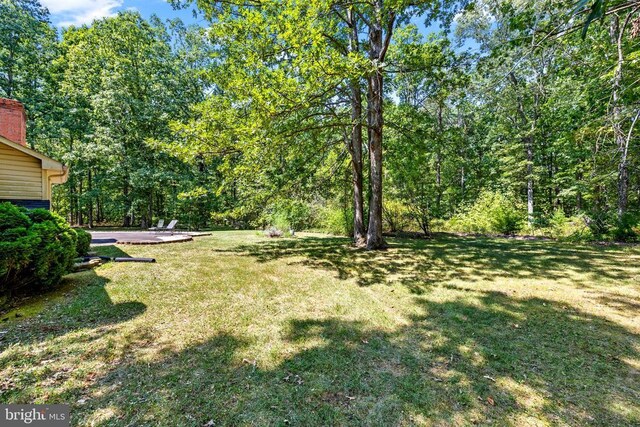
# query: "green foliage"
{"points": [[37, 248], [194, 207], [279, 221], [593, 226], [16, 243], [83, 243], [336, 220], [396, 215], [288, 215], [159, 120], [599, 223], [562, 227], [27, 45], [596, 10], [53, 256], [558, 224], [118, 84], [492, 213], [625, 228]]}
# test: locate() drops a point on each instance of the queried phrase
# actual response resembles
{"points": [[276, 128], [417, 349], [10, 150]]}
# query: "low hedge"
{"points": [[37, 248], [84, 242]]}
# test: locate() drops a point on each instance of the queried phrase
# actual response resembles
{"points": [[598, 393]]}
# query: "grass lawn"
{"points": [[238, 329]]}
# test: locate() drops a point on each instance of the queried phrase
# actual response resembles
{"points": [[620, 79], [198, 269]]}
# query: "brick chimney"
{"points": [[13, 121]]}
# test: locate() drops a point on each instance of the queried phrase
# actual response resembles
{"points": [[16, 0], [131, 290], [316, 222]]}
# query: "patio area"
{"points": [[136, 238]]}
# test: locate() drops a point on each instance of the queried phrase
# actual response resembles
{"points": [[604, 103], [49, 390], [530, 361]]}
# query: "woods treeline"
{"points": [[352, 117]]}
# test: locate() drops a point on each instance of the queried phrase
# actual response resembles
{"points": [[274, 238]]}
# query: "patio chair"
{"points": [[160, 226], [171, 227]]}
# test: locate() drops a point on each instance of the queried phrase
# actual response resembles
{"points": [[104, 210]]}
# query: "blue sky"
{"points": [[78, 12]]}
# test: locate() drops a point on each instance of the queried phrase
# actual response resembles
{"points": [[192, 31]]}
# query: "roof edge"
{"points": [[47, 162]]}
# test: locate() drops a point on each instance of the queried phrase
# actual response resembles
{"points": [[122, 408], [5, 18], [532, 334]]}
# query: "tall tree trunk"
{"points": [[377, 51], [90, 214], [374, 232], [71, 187], [100, 216], [11, 63], [359, 235], [375, 81], [617, 33], [439, 161], [79, 219], [528, 146], [149, 216], [355, 148], [127, 206]]}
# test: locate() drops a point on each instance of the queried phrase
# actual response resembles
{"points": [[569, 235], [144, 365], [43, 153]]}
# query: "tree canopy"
{"points": [[321, 114]]}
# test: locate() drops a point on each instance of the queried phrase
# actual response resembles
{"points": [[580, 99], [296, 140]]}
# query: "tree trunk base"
{"points": [[376, 245], [360, 241]]}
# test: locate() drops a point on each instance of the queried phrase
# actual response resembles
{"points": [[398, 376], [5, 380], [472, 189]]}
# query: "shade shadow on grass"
{"points": [[462, 357], [420, 263], [87, 306], [499, 360]]}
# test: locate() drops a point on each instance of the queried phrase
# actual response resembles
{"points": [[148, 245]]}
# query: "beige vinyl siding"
{"points": [[20, 175]]}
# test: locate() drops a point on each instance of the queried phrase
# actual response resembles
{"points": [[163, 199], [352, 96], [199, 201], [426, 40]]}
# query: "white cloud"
{"points": [[78, 12]]}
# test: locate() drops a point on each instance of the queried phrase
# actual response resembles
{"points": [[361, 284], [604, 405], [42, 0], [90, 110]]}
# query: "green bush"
{"points": [[599, 223], [438, 225], [36, 248], [16, 243], [605, 225], [84, 242], [336, 220], [288, 215], [396, 215], [572, 228], [492, 213], [624, 228], [559, 226], [193, 208]]}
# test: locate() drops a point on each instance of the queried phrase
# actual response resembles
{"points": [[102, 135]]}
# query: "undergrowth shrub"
{"points": [[606, 225], [396, 215], [596, 225], [492, 213], [599, 223], [289, 215], [438, 225], [193, 208], [37, 248], [624, 229], [337, 220], [84, 242], [573, 228]]}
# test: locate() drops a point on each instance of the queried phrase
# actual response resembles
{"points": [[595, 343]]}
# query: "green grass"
{"points": [[244, 330]]}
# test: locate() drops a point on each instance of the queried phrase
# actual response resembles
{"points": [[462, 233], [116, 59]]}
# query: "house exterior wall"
{"points": [[21, 176], [26, 176]]}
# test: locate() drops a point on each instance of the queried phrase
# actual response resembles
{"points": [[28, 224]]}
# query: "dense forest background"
{"points": [[516, 116]]}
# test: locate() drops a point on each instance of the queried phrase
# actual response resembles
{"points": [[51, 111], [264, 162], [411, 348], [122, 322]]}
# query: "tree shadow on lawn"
{"points": [[625, 305], [499, 360], [87, 306], [419, 263]]}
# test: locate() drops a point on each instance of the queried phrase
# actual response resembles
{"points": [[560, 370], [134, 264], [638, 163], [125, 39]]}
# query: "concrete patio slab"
{"points": [[135, 238]]}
